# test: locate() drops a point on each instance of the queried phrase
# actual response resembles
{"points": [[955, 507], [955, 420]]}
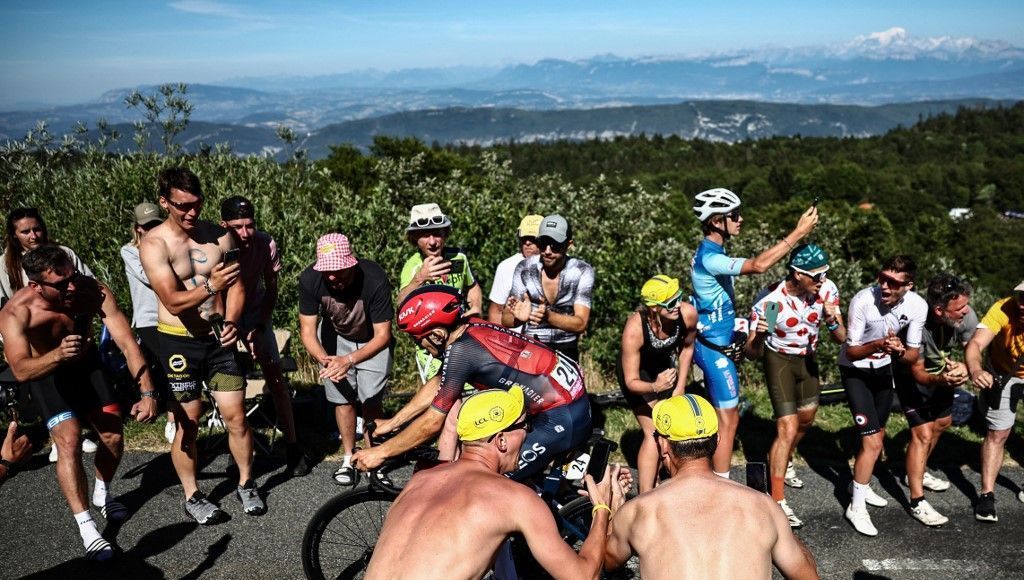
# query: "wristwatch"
{"points": [[150, 394]]}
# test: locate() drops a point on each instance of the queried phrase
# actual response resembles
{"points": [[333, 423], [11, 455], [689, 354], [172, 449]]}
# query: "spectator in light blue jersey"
{"points": [[718, 343]]}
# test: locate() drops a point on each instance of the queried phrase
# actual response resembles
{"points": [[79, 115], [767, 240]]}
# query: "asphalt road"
{"points": [[38, 538]]}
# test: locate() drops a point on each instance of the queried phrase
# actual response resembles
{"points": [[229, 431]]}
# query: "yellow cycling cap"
{"points": [[530, 226], [659, 290], [685, 417], [489, 412]]}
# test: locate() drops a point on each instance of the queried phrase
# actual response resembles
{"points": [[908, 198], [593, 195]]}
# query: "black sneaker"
{"points": [[203, 510], [985, 508], [297, 463]]}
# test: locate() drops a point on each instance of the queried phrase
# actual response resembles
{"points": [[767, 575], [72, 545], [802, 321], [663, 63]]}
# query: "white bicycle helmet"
{"points": [[714, 202]]}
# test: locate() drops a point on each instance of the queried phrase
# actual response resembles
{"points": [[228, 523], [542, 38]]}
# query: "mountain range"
{"points": [[551, 97]]}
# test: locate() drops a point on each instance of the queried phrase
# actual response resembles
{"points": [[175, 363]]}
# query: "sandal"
{"points": [[346, 476], [114, 511], [99, 550]]}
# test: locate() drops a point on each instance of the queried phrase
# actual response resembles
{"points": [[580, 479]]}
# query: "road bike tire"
{"points": [[340, 538], [574, 521]]}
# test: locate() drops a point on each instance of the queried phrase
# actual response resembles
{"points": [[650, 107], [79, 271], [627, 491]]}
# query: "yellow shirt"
{"points": [[1008, 345]]}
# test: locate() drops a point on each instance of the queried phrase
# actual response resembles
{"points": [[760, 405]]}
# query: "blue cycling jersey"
{"points": [[712, 273]]}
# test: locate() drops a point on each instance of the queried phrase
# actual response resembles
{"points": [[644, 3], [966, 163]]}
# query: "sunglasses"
{"points": [[425, 222], [672, 302], [886, 280], [528, 240], [556, 247], [816, 277], [185, 207], [734, 215], [62, 286], [524, 424]]}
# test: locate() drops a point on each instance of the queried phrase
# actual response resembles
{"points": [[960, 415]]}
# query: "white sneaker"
{"points": [[169, 430], [861, 521], [791, 479], [794, 522], [88, 445], [1020, 494], [927, 515], [929, 482], [53, 454], [870, 497]]}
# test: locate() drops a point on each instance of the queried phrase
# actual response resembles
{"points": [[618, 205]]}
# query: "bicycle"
{"points": [[340, 537]]}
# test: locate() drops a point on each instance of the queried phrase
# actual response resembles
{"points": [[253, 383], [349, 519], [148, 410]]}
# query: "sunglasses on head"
{"points": [[62, 285], [424, 222], [816, 277], [672, 302], [886, 280], [546, 242]]}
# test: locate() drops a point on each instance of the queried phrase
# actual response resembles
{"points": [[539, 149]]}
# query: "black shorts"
{"points": [[149, 343], [75, 389], [922, 404], [636, 401], [869, 392], [189, 362]]}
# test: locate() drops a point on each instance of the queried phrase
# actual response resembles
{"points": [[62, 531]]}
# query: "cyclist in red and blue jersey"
{"points": [[486, 356], [719, 344]]}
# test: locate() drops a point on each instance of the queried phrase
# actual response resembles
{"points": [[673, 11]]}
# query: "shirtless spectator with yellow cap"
{"points": [[451, 520], [668, 526]]}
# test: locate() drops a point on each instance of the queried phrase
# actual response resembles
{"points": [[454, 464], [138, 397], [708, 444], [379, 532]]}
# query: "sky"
{"points": [[70, 51]]}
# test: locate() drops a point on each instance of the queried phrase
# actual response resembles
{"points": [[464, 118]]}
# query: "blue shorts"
{"points": [[720, 377], [553, 431]]}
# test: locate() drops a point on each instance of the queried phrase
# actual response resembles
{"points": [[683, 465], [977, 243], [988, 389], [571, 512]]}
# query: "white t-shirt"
{"points": [[870, 320], [796, 327], [503, 279]]}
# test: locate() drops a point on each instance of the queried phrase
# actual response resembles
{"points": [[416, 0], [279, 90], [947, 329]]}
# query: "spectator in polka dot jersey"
{"points": [[803, 302]]}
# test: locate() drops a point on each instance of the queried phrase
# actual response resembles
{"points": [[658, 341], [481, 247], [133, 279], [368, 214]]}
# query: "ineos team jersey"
{"points": [[488, 356]]}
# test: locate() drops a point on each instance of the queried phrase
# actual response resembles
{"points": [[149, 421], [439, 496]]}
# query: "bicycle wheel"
{"points": [[574, 521], [340, 538]]}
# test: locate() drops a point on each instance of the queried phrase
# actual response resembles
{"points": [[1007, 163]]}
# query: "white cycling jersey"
{"points": [[868, 319]]}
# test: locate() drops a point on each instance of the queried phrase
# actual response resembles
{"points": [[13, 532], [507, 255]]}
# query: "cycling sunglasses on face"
{"points": [[734, 215], [672, 302], [546, 242], [524, 425], [185, 207], [434, 220], [886, 280], [62, 285], [816, 277]]}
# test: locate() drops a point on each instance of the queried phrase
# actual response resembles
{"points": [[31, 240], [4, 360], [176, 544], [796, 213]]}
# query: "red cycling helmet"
{"points": [[429, 307]]}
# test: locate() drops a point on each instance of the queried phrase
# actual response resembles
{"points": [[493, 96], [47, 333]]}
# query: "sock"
{"points": [[722, 475], [99, 493], [346, 461], [87, 528], [916, 500], [778, 488], [860, 491]]}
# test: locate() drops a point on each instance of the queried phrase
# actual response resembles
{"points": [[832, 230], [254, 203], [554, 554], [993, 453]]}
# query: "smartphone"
{"points": [[757, 476], [771, 315], [83, 326], [231, 256], [599, 458]]}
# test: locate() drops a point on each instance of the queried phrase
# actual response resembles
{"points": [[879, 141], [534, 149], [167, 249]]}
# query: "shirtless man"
{"points": [[455, 517], [750, 532], [46, 328], [184, 259]]}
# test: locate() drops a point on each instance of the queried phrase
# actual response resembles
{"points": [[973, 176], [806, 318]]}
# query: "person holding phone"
{"points": [[654, 363], [260, 263], [720, 335], [435, 263], [787, 318]]}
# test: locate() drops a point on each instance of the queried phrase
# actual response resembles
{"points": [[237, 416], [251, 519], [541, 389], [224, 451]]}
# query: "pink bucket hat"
{"points": [[333, 252]]}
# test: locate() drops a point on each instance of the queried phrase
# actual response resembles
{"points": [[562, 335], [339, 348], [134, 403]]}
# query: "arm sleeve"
{"points": [[455, 372], [720, 264], [470, 279], [915, 329], [968, 326], [379, 307], [995, 319], [133, 264], [502, 285], [829, 292], [585, 287], [855, 324]]}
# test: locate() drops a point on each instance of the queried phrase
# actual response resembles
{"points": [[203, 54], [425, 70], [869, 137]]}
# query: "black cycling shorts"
{"points": [[792, 382], [189, 362], [869, 392], [76, 389], [922, 404]]}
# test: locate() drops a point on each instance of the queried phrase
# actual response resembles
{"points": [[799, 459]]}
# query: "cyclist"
{"points": [[718, 345], [657, 350], [806, 300], [476, 509], [885, 327], [696, 525], [925, 390], [1001, 330], [486, 356]]}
